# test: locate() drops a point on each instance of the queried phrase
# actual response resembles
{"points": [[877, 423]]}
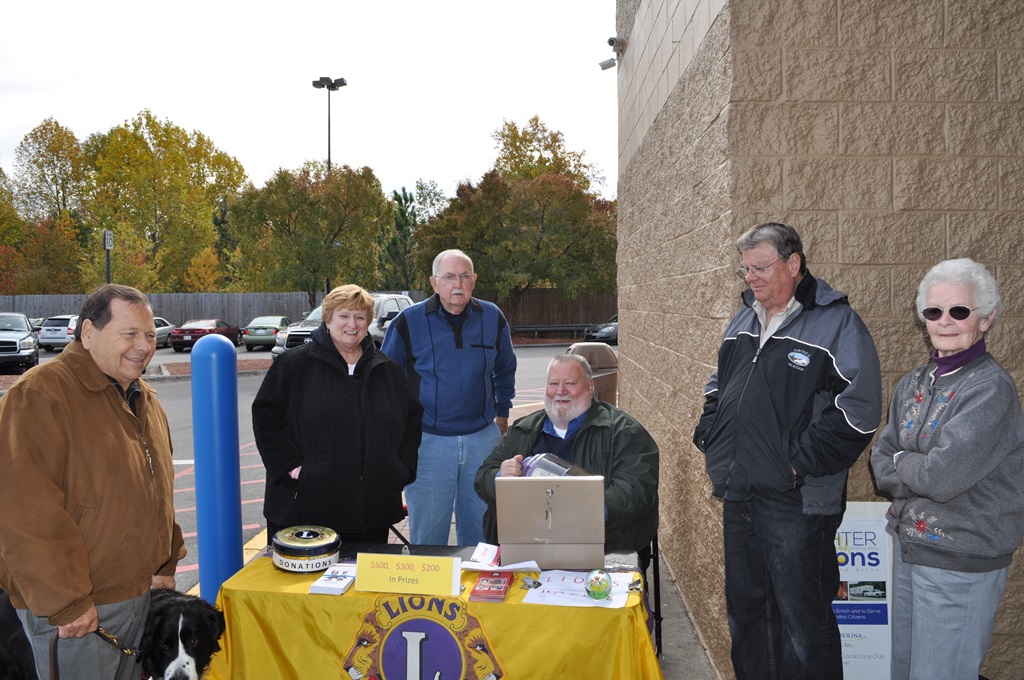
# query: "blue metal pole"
{"points": [[215, 442]]}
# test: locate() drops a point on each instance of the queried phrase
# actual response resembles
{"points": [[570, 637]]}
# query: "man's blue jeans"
{"points": [[781, 576], [444, 482]]}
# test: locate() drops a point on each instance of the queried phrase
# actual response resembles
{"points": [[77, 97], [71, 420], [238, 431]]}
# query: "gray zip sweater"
{"points": [[957, 486]]}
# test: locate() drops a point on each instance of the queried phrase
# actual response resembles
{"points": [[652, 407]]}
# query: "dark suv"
{"points": [[386, 307]]}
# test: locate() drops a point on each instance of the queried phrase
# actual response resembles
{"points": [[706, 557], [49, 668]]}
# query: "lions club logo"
{"points": [[411, 637]]}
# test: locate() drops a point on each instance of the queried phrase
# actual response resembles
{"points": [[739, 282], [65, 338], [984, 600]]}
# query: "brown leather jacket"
{"points": [[87, 498]]}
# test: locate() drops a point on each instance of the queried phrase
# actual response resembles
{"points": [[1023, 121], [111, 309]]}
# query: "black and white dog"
{"points": [[180, 637], [16, 662]]}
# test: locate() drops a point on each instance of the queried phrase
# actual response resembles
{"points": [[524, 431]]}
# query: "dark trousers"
{"points": [[781, 576]]}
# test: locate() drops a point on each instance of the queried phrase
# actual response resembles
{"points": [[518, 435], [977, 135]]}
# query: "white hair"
{"points": [[447, 253], [967, 272]]}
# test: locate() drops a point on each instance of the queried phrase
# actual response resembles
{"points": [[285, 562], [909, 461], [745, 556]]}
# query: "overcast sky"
{"points": [[428, 81]]}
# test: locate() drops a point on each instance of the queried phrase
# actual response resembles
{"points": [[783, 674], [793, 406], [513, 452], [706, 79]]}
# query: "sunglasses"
{"points": [[959, 312]]}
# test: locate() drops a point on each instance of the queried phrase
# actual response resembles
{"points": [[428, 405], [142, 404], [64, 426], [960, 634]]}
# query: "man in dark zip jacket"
{"points": [[796, 399]]}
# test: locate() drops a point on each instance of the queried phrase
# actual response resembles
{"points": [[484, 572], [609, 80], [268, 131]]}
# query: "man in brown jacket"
{"points": [[87, 522]]}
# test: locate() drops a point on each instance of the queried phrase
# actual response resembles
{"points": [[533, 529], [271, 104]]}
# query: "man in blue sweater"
{"points": [[457, 354]]}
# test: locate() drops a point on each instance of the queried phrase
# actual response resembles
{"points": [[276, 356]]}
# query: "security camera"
{"points": [[607, 64], [611, 42], [617, 44]]}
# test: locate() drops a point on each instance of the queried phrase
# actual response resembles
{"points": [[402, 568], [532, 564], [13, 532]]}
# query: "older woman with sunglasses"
{"points": [[952, 458]]}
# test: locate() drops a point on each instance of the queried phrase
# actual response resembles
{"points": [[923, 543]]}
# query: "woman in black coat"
{"points": [[338, 428]]}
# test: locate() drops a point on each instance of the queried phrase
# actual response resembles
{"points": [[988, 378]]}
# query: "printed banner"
{"points": [[864, 551]]}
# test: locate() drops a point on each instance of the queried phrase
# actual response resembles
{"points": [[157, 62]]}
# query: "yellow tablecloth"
{"points": [[276, 629]]}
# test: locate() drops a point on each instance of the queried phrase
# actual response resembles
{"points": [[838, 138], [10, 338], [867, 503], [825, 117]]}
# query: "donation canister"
{"points": [[306, 548]]}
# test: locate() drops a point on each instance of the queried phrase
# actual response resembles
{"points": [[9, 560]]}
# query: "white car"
{"points": [[58, 332]]}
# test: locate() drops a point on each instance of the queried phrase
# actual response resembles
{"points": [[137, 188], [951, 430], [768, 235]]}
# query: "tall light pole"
{"points": [[331, 86]]}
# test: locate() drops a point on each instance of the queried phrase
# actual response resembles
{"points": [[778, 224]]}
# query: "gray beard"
{"points": [[573, 412]]}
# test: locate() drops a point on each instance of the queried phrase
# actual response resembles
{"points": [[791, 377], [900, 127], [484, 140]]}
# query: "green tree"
{"points": [[49, 172], [544, 232], [310, 230], [397, 268], [159, 188]]}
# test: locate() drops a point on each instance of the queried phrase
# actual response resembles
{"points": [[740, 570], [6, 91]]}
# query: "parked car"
{"points": [[262, 331], [190, 332], [58, 331], [604, 332], [386, 307], [163, 331], [18, 343], [36, 322]]}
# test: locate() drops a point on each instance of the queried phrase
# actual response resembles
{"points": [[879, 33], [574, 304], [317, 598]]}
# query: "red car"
{"points": [[191, 331]]}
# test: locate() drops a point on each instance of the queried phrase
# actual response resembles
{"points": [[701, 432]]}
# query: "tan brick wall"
{"points": [[890, 134]]}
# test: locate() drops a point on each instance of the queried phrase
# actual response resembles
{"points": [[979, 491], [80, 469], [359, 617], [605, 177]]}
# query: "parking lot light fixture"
{"points": [[326, 83]]}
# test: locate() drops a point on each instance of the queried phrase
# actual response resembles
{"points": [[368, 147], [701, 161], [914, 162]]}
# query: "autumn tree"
{"points": [[49, 172], [48, 259], [204, 274], [159, 188], [522, 234], [310, 229], [530, 222], [10, 265], [534, 150], [11, 225]]}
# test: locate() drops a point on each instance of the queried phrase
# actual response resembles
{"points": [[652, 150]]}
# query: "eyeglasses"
{"points": [[449, 279], [958, 312], [758, 270]]}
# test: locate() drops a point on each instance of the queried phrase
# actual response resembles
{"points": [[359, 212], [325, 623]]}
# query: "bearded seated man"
{"points": [[596, 436]]}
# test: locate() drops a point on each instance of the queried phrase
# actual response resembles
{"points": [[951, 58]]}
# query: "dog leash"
{"points": [[54, 666], [103, 635], [112, 639]]}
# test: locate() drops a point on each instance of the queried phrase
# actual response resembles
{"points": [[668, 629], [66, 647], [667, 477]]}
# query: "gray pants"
{"points": [[942, 620], [91, 657]]}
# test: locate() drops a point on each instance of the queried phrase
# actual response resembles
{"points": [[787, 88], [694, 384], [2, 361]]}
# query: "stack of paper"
{"points": [[336, 580]]}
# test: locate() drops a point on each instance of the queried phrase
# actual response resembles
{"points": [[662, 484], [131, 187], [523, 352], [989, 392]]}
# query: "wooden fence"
{"points": [[538, 307]]}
